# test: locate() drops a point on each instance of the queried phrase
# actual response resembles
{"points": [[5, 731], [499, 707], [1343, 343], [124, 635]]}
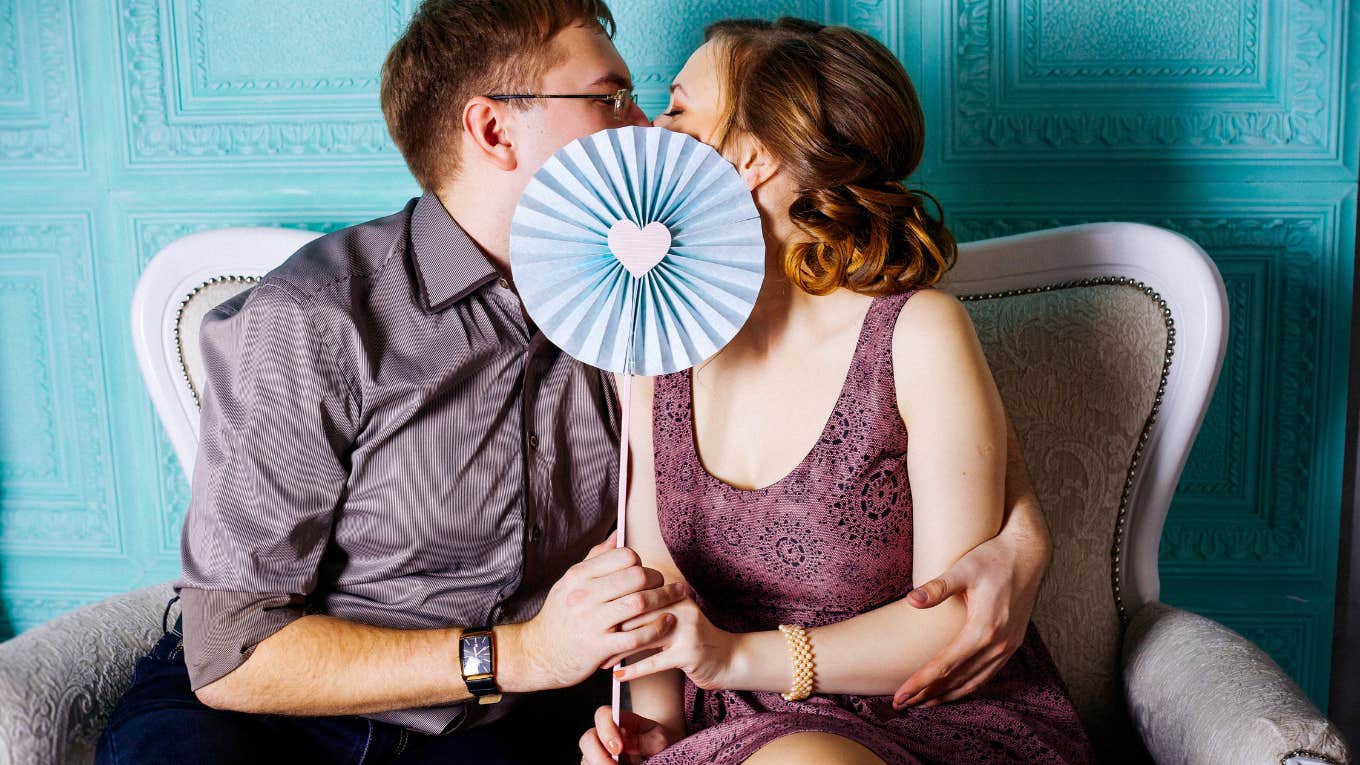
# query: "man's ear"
{"points": [[755, 164], [487, 133]]}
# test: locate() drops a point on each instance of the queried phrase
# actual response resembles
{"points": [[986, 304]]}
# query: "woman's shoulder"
{"points": [[934, 348], [930, 312]]}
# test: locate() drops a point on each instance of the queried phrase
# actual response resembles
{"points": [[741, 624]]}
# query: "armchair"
{"points": [[1105, 341]]}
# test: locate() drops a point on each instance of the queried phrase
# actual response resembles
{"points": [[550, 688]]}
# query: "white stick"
{"points": [[620, 540]]}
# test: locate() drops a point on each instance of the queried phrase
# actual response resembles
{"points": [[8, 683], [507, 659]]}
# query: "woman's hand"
{"points": [[692, 645], [639, 736]]}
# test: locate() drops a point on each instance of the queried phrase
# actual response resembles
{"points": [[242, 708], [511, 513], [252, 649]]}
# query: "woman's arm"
{"points": [[999, 581], [953, 411], [659, 697]]}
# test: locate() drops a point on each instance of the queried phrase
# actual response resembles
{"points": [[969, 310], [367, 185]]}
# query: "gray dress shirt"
{"points": [[385, 438]]}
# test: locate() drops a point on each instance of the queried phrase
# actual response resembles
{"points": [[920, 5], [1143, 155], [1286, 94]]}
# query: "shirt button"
{"points": [[505, 283], [535, 534], [533, 441]]}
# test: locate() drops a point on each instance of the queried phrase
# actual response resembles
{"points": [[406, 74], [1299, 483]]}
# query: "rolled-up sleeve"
{"points": [[276, 427]]}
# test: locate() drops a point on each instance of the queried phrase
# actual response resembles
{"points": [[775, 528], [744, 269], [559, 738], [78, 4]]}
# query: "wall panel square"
{"points": [[40, 123]]}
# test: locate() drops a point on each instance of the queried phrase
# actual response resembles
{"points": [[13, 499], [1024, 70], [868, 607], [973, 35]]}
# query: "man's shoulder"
{"points": [[354, 252]]}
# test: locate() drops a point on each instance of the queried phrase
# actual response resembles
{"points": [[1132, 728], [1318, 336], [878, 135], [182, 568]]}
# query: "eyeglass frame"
{"points": [[622, 99]]}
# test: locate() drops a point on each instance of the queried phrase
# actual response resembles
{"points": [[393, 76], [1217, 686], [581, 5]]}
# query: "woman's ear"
{"points": [[755, 164], [487, 133]]}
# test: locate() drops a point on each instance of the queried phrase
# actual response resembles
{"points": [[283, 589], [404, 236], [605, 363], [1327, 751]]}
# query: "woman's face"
{"points": [[696, 97]]}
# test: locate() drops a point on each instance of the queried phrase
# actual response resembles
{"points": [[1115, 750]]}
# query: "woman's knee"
{"points": [[813, 748]]}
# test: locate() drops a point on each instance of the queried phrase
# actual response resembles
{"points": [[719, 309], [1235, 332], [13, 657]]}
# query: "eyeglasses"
{"points": [[621, 100]]}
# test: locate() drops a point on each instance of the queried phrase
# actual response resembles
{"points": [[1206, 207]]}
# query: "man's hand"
{"points": [[639, 736], [999, 581], [576, 630]]}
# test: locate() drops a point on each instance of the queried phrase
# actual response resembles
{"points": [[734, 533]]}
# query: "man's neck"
{"points": [[484, 216]]}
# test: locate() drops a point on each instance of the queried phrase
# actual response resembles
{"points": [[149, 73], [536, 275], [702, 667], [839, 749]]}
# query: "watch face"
{"points": [[476, 654]]}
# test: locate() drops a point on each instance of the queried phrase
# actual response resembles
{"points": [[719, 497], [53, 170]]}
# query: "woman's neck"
{"points": [[785, 313]]}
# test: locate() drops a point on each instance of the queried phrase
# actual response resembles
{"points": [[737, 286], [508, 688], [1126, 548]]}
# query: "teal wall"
{"points": [[127, 123]]}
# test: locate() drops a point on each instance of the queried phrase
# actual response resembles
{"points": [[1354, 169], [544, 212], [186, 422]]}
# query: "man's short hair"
{"points": [[454, 50]]}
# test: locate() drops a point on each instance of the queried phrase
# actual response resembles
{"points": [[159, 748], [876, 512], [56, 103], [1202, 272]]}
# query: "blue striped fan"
{"points": [[638, 250]]}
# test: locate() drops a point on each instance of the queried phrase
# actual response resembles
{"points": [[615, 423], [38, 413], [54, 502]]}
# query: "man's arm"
{"points": [[1001, 577], [321, 665], [278, 422]]}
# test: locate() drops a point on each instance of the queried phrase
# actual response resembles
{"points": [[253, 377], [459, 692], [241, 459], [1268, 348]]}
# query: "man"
{"points": [[399, 480]]}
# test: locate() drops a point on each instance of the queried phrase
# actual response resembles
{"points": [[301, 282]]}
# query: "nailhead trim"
{"points": [[179, 317], [1307, 753]]}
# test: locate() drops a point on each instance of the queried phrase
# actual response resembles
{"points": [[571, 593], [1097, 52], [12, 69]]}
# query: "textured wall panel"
{"points": [[1229, 81], [56, 483], [40, 126], [202, 82]]}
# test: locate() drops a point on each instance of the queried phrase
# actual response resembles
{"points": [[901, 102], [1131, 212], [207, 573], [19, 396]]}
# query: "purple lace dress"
{"points": [[831, 540]]}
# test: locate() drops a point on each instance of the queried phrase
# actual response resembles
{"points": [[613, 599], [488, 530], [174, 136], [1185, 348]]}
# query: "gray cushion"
{"points": [[1201, 693], [60, 681]]}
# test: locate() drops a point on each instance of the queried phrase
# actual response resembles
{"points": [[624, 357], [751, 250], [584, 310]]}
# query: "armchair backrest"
{"points": [[1105, 341]]}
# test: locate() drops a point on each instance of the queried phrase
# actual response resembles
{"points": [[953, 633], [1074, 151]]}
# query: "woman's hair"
{"points": [[839, 112], [454, 50]]}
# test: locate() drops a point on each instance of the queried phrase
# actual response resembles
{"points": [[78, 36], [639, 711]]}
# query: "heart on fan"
{"points": [[639, 249]]}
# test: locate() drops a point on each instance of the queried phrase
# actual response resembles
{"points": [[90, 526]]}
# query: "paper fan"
{"points": [[638, 250]]}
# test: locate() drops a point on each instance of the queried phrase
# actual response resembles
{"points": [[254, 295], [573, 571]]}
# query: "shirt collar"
{"points": [[448, 264]]}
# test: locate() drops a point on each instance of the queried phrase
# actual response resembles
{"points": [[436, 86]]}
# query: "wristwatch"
{"points": [[477, 655]]}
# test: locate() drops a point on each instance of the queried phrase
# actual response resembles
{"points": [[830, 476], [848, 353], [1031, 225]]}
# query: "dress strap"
{"points": [[872, 369]]}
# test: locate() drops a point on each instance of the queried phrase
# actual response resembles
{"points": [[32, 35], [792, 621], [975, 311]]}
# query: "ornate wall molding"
{"points": [[1212, 42], [62, 500], [1288, 108], [193, 51], [330, 127], [40, 125]]}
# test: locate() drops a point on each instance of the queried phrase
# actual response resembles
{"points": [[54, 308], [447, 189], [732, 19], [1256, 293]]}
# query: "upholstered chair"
{"points": [[1106, 342]]}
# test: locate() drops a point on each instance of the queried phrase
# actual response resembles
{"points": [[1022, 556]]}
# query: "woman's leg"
{"points": [[813, 748]]}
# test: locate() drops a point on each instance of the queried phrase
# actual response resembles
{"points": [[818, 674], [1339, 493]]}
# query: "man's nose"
{"points": [[638, 118]]}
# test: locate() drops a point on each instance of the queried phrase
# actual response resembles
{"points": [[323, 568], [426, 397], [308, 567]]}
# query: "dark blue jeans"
{"points": [[160, 720]]}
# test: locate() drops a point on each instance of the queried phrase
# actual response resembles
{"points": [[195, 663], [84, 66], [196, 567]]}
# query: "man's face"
{"points": [[590, 64]]}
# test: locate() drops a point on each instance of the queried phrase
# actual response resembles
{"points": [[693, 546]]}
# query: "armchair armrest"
{"points": [[1200, 693], [59, 681]]}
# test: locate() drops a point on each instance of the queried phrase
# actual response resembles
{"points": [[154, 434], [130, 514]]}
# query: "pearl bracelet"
{"points": [[804, 666]]}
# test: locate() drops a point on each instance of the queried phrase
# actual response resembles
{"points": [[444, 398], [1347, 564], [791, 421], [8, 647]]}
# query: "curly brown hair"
{"points": [[839, 111]]}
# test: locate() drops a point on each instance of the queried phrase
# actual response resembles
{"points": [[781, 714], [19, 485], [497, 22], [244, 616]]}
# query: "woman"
{"points": [[776, 480]]}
